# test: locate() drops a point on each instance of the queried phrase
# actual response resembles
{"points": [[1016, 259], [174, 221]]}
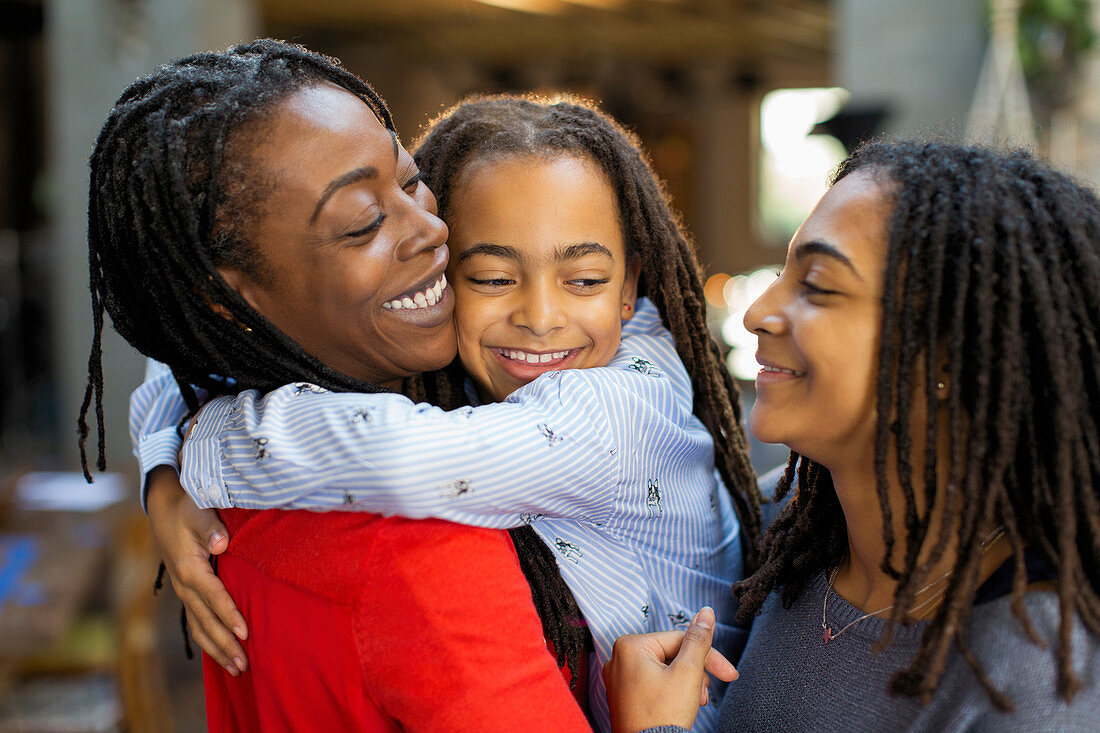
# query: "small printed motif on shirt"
{"points": [[455, 489]]}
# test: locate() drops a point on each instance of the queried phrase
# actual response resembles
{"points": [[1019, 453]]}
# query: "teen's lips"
{"points": [[771, 371]]}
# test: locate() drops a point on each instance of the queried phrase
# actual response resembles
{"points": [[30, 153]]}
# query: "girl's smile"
{"points": [[539, 270]]}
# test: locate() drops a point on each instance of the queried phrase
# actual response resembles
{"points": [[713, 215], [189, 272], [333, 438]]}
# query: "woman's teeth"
{"points": [[424, 299], [529, 358]]}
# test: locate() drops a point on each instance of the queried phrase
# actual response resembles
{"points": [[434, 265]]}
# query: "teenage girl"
{"points": [[929, 355], [564, 256]]}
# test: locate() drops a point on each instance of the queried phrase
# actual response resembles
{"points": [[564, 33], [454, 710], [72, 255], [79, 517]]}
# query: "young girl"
{"points": [[556, 224], [929, 355]]}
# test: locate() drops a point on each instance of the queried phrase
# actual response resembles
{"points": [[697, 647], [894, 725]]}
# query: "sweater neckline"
{"points": [[839, 613]]}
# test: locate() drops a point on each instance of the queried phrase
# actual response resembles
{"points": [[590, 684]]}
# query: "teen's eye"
{"points": [[411, 185], [812, 289], [368, 229]]}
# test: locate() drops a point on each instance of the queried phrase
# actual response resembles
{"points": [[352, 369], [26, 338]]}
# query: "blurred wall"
{"points": [[919, 59]]}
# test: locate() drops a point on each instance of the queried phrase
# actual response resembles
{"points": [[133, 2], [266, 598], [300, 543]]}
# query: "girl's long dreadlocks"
{"points": [[993, 280], [492, 128], [171, 201]]}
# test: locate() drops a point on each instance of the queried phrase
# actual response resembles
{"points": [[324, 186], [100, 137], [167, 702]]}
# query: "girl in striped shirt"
{"points": [[603, 440]]}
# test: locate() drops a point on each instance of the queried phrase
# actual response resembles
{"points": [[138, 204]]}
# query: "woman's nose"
{"points": [[425, 231]]}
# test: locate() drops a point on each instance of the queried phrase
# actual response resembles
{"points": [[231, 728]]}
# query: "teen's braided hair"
{"points": [[992, 280], [172, 199], [494, 128]]}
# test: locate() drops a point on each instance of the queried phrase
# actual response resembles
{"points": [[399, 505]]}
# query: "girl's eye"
{"points": [[491, 282], [368, 229], [588, 282], [411, 184], [812, 289]]}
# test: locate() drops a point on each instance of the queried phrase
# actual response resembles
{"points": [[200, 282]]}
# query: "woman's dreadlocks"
{"points": [[171, 201]]}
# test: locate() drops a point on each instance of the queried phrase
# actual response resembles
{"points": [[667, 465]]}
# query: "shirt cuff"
{"points": [[201, 458], [161, 448]]}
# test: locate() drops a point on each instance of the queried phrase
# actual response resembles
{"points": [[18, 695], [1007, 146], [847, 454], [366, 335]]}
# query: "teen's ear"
{"points": [[242, 284], [630, 288]]}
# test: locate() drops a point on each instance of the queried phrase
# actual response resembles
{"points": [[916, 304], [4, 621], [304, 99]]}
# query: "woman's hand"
{"points": [[660, 678], [186, 537]]}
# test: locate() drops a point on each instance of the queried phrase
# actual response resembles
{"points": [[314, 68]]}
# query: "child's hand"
{"points": [[660, 678], [186, 537]]}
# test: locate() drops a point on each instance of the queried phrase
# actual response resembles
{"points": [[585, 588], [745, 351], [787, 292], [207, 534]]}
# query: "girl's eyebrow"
{"points": [[576, 251], [492, 250], [817, 247]]}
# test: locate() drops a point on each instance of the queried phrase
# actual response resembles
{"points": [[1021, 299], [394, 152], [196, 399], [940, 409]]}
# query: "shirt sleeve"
{"points": [[549, 449], [449, 638], [156, 409]]}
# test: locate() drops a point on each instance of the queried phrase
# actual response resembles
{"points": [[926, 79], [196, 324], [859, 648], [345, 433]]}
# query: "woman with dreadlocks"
{"points": [[929, 355], [556, 223], [251, 213]]}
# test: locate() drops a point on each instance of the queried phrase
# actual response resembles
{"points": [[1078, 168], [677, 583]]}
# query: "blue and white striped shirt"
{"points": [[608, 465]]}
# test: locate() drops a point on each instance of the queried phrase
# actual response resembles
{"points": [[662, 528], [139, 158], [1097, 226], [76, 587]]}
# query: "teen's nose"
{"points": [[765, 316]]}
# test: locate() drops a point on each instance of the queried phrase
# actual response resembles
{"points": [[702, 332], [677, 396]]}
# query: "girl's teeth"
{"points": [[407, 303], [420, 300], [534, 358], [430, 296]]}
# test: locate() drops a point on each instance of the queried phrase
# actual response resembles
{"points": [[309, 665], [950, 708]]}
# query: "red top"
{"points": [[360, 622]]}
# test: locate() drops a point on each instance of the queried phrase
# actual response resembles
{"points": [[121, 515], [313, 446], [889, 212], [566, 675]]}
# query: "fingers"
{"points": [[200, 634], [719, 666], [695, 645], [214, 533], [202, 594]]}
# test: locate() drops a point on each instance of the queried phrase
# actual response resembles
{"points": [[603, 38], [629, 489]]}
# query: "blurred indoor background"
{"points": [[745, 106]]}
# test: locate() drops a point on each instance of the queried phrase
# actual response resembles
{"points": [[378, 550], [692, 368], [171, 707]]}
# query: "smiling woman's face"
{"points": [[818, 328], [351, 241]]}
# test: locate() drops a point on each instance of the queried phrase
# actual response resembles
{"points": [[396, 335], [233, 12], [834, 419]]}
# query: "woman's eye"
{"points": [[368, 229], [411, 185]]}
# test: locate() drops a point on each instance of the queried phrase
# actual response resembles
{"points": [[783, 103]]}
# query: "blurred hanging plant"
{"points": [[1054, 37]]}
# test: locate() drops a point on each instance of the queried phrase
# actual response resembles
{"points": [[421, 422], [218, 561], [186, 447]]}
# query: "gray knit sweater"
{"points": [[791, 680]]}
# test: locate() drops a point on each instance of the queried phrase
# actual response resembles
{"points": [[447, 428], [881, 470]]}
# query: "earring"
{"points": [[941, 386], [627, 307]]}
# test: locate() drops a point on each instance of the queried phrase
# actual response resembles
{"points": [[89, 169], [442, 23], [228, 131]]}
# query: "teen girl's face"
{"points": [[539, 270], [818, 328], [350, 238]]}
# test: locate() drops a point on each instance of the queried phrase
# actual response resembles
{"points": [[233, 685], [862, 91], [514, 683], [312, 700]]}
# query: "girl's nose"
{"points": [[538, 311]]}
